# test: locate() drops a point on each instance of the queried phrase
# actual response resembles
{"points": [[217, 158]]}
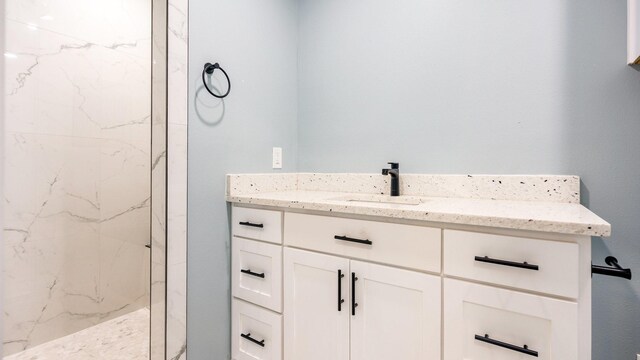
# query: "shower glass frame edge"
{"points": [[159, 101]]}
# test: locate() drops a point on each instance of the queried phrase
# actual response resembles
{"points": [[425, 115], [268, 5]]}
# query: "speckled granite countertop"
{"points": [[537, 203]]}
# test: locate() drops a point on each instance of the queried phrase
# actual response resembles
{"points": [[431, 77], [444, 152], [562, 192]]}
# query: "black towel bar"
{"points": [[614, 270]]}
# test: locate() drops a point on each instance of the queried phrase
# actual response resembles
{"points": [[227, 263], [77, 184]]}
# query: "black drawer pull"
{"points": [[246, 223], [523, 265], [354, 304], [340, 299], [249, 272], [524, 349], [248, 337], [359, 241]]}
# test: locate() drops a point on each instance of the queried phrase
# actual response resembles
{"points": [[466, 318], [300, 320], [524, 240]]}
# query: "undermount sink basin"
{"points": [[381, 199]]}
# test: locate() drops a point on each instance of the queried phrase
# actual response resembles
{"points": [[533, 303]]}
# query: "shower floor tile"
{"points": [[123, 338]]}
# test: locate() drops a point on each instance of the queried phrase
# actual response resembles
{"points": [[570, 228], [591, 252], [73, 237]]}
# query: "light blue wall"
{"points": [[491, 86], [255, 42], [442, 86]]}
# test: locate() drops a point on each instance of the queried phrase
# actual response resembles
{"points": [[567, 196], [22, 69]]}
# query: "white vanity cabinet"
{"points": [[257, 333], [257, 273], [415, 247], [397, 314], [489, 323], [256, 284], [530, 264], [258, 224], [337, 308], [316, 306], [318, 287], [515, 297]]}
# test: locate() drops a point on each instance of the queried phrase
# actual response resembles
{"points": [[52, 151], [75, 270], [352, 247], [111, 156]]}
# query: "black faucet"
{"points": [[394, 172]]}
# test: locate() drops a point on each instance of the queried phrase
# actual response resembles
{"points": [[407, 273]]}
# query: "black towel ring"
{"points": [[208, 69]]}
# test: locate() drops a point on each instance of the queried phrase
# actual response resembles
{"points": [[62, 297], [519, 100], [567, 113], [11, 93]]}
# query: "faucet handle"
{"points": [[394, 165]]}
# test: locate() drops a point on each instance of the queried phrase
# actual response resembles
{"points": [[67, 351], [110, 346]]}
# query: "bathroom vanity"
{"points": [[329, 267]]}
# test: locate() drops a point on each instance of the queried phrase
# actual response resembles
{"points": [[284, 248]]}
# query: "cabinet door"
{"points": [[488, 323], [397, 314], [316, 322]]}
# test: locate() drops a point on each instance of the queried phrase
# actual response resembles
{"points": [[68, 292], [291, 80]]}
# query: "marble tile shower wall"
{"points": [[159, 151], [77, 165], [177, 43]]}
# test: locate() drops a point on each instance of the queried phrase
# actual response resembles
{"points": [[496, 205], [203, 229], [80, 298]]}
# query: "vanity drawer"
{"points": [[256, 333], [408, 246], [258, 224], [487, 323], [257, 272], [532, 264]]}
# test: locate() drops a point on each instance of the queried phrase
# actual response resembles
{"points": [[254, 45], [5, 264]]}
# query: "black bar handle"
{"points": [[246, 223], [522, 265], [340, 299], [524, 349], [249, 272], [616, 270], [248, 337], [354, 304], [359, 241]]}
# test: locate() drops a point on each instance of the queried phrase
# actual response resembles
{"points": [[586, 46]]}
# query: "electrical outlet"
{"points": [[277, 158]]}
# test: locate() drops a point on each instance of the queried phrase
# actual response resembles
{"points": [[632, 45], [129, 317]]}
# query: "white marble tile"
{"points": [[177, 195], [177, 79], [45, 165], [177, 62], [77, 159], [119, 290], [56, 259], [177, 311], [124, 191], [105, 23], [158, 242], [158, 182], [59, 85], [66, 267], [123, 338], [177, 242]]}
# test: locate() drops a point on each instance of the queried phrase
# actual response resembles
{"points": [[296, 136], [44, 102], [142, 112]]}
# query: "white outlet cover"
{"points": [[277, 158]]}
